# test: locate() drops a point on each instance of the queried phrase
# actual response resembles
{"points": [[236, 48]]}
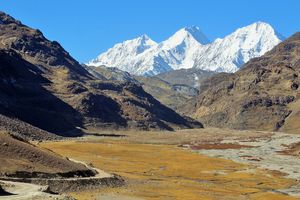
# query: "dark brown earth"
{"points": [[263, 95], [43, 86], [23, 130], [22, 159]]}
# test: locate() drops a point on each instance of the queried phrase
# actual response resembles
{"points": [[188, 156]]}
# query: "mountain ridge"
{"points": [[43, 86], [262, 95], [190, 48]]}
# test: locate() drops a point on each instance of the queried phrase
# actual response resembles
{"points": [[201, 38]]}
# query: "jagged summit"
{"points": [[116, 55], [189, 48], [231, 52], [197, 34], [143, 56], [186, 34], [145, 38]]}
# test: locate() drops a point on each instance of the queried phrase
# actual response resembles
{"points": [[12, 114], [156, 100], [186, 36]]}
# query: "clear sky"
{"points": [[86, 28]]}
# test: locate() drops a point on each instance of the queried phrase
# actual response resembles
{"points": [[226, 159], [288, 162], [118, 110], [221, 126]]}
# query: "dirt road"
{"points": [[22, 191], [25, 191]]}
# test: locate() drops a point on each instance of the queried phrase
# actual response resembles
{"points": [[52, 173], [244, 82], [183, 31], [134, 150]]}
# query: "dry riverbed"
{"points": [[162, 166], [266, 153]]}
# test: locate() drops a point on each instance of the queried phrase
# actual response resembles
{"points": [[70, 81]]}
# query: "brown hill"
{"points": [[36, 49], [20, 157], [191, 77], [42, 85], [172, 95], [24, 96], [263, 95], [23, 130]]}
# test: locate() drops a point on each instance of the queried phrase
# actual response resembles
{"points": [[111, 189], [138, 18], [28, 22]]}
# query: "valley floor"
{"points": [[189, 164]]}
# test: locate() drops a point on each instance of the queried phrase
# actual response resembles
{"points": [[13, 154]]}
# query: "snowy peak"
{"points": [[138, 45], [230, 53], [188, 35], [115, 56], [256, 31], [135, 46], [197, 34], [263, 27], [190, 48], [142, 43]]}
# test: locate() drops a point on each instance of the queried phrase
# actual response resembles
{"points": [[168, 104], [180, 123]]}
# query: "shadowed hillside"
{"points": [[44, 86], [263, 95]]}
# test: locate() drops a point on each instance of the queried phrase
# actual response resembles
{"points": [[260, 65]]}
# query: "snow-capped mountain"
{"points": [[121, 54], [190, 48], [230, 53]]}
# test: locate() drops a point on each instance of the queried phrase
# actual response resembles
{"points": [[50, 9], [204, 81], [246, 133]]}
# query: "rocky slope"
{"points": [[263, 95], [172, 95], [189, 48], [24, 96], [42, 85], [19, 158], [190, 77], [111, 73]]}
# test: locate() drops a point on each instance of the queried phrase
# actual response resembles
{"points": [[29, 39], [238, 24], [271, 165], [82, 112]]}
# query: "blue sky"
{"points": [[87, 28]]}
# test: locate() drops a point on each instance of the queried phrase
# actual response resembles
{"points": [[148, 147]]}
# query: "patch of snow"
{"points": [[196, 78]]}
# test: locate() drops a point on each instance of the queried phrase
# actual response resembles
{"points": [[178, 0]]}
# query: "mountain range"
{"points": [[263, 95], [190, 48], [45, 90]]}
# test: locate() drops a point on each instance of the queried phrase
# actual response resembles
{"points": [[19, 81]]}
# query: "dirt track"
{"points": [[21, 190], [25, 191]]}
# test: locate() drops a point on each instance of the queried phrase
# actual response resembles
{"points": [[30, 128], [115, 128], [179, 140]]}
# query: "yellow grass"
{"points": [[162, 172]]}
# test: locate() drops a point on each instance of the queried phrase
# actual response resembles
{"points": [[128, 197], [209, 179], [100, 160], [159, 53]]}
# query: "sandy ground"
{"points": [[25, 191]]}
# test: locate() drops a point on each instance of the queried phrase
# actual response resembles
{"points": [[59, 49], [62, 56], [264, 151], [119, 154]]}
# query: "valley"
{"points": [[185, 118], [161, 165]]}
